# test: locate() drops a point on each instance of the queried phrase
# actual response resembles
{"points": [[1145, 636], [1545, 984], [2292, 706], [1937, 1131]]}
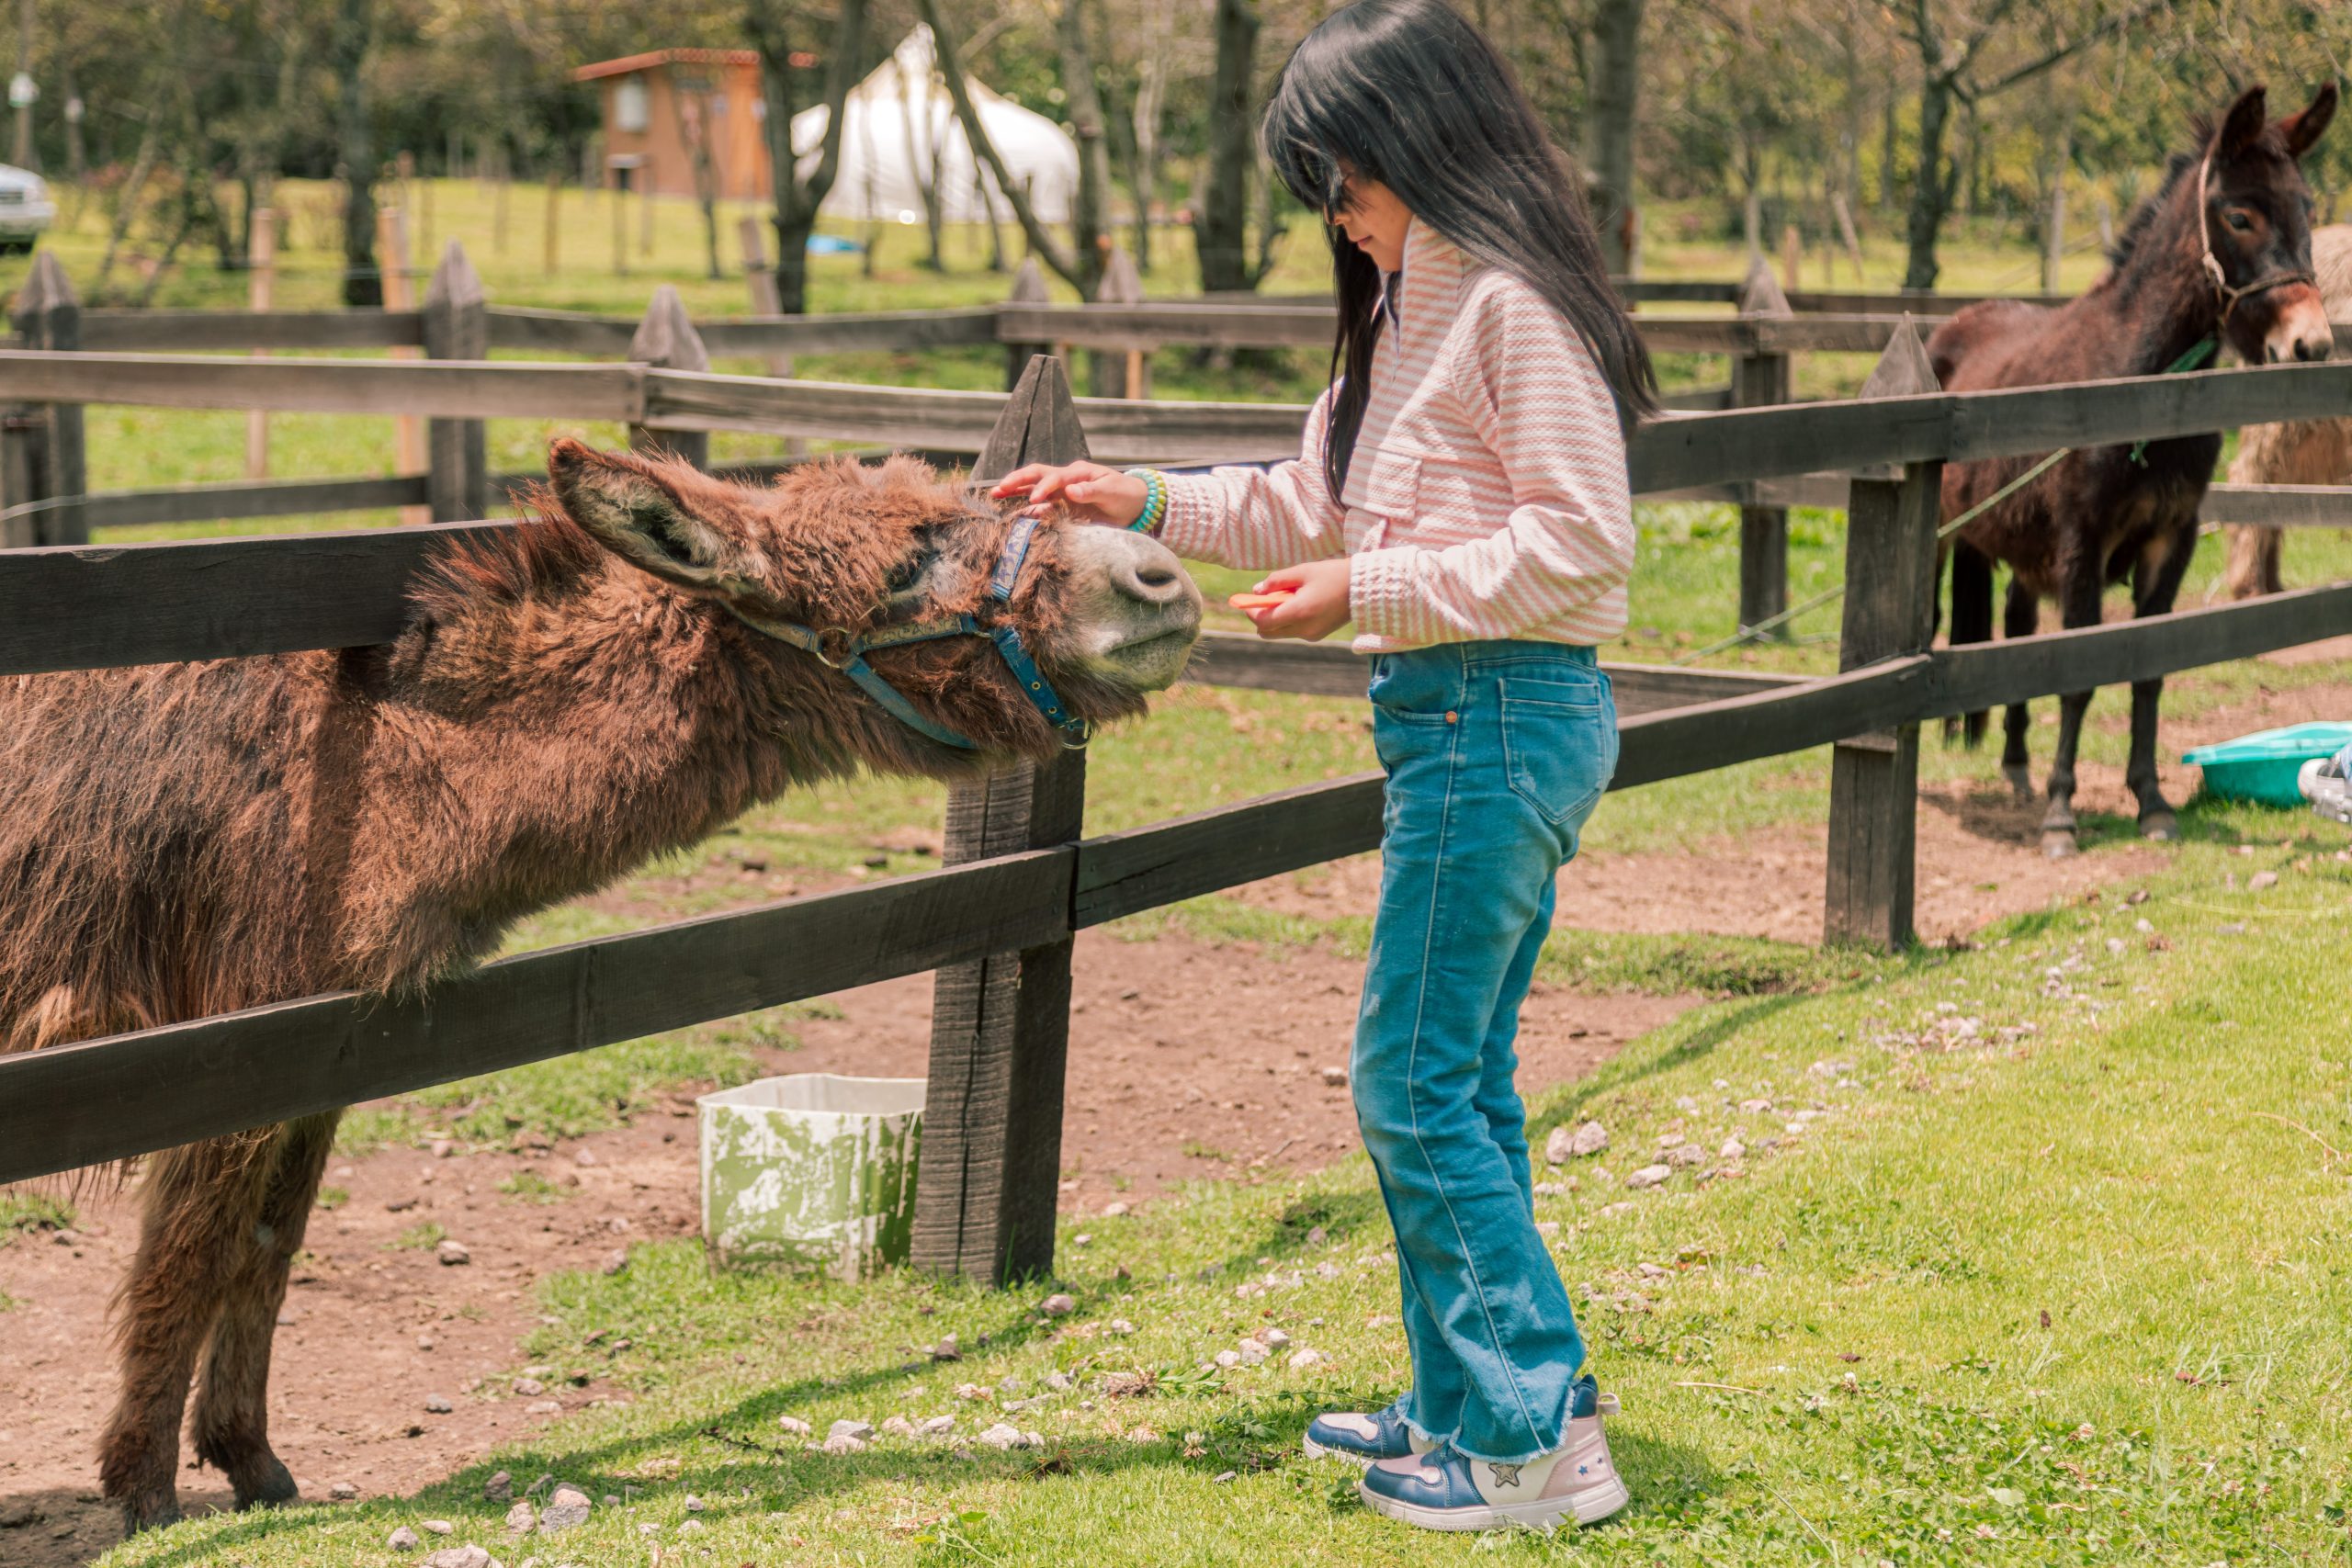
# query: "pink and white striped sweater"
{"points": [[1487, 497]]}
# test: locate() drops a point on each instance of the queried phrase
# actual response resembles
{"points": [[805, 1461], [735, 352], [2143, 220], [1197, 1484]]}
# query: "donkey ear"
{"points": [[624, 505], [2243, 123], [2303, 129]]}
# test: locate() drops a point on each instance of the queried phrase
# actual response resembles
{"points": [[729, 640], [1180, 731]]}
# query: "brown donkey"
{"points": [[2222, 251], [186, 839], [2293, 452]]}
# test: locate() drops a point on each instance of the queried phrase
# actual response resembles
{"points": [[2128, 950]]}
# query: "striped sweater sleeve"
{"points": [[1539, 403], [1259, 518]]}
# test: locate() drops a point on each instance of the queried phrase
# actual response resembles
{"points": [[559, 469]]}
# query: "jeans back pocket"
{"points": [[1559, 745]]}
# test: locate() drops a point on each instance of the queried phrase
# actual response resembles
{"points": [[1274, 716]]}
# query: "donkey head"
{"points": [[2257, 229], [846, 550]]}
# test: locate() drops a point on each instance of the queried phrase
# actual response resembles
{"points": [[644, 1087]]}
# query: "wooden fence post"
{"points": [[1890, 611], [1028, 288], [261, 271], [766, 299], [456, 326], [999, 1034], [1121, 373], [666, 339], [1759, 379], [40, 447]]}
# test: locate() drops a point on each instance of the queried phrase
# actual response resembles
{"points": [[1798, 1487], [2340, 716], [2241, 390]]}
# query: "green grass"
{"points": [[419, 1237], [29, 1209], [530, 1187], [2056, 1275]]}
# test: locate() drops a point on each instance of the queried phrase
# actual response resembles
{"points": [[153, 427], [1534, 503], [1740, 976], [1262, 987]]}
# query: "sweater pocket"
{"points": [[1386, 483]]}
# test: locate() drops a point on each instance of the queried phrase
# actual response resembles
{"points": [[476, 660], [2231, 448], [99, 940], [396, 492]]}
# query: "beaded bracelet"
{"points": [[1155, 499]]}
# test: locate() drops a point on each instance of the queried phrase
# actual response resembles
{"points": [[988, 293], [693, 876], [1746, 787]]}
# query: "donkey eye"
{"points": [[2238, 219]]}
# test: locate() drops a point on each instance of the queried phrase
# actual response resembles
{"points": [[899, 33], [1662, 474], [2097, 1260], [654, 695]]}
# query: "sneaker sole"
{"points": [[1589, 1506]]}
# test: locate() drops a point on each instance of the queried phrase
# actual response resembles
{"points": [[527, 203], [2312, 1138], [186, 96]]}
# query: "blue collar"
{"points": [[838, 650]]}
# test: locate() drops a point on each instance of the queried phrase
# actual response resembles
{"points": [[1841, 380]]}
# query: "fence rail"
{"points": [[1003, 921]]}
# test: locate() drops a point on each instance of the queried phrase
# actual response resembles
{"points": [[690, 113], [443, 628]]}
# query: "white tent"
{"points": [[900, 125]]}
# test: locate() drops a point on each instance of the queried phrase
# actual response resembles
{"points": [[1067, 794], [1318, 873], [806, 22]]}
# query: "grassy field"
{"points": [[2035, 1257]]}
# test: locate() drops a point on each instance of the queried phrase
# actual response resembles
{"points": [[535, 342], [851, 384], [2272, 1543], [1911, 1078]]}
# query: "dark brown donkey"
{"points": [[191, 838], [2222, 252]]}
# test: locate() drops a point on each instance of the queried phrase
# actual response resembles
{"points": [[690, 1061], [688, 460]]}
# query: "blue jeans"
{"points": [[1496, 754]]}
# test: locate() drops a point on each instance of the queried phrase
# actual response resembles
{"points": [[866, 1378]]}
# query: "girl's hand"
{"points": [[1317, 605], [1092, 491]]}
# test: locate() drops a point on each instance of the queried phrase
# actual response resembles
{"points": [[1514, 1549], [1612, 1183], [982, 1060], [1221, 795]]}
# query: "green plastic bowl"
{"points": [[2262, 767]]}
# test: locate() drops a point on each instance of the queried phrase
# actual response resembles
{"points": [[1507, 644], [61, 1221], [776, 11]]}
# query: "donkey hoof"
{"points": [[266, 1485], [2020, 780], [151, 1511], [2161, 826], [2058, 843]]}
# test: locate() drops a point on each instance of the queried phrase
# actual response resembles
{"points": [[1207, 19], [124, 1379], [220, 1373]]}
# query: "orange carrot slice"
{"points": [[1260, 601]]}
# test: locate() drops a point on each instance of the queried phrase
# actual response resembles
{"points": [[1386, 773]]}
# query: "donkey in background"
{"points": [[2221, 254], [2293, 452]]}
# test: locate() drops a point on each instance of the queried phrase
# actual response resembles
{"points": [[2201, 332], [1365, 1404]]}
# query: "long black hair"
{"points": [[1408, 93]]}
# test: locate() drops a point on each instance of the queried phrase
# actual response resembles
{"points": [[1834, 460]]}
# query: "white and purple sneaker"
{"points": [[1446, 1490], [1363, 1439]]}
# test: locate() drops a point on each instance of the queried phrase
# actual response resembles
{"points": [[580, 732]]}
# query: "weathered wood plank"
{"points": [[200, 331], [1874, 780], [324, 386], [268, 498], [99, 607], [2280, 506], [1244, 660], [1000, 1039], [667, 340], [76, 1105], [456, 326], [1761, 377]]}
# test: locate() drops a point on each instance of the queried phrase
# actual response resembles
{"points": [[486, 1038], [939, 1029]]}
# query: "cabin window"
{"points": [[629, 105]]}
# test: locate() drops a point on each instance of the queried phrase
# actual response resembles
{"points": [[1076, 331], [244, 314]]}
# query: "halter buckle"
{"points": [[835, 648]]}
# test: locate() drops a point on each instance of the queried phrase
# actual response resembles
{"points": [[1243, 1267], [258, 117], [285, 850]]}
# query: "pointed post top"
{"points": [[47, 294], [1760, 292], [1904, 369], [454, 281], [1039, 424], [1122, 284], [1029, 285], [666, 337]]}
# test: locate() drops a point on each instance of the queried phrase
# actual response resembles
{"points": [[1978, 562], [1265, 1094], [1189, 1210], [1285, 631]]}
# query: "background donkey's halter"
{"points": [[2212, 264], [846, 651]]}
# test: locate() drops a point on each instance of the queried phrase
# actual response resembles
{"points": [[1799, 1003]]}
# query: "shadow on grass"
{"points": [[1619, 1073]]}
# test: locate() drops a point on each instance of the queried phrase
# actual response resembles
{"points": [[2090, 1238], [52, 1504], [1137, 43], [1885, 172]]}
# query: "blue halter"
{"points": [[840, 650]]}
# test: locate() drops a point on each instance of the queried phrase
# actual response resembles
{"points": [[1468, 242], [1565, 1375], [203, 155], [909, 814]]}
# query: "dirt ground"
{"points": [[1186, 1061]]}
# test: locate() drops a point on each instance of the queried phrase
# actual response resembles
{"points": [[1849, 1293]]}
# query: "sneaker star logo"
{"points": [[1505, 1475]]}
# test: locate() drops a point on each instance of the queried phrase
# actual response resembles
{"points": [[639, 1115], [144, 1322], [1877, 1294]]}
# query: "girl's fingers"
{"points": [[1018, 481]]}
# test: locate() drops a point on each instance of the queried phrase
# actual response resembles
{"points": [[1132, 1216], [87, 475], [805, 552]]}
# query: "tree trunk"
{"points": [[769, 23], [1093, 155], [1889, 150], [1932, 182], [1617, 37], [350, 41], [1151, 97], [1221, 220]]}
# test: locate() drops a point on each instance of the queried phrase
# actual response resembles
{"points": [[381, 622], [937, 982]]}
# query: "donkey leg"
{"points": [[2021, 616], [231, 1427], [2081, 604], [1972, 622], [199, 1200], [2155, 583]]}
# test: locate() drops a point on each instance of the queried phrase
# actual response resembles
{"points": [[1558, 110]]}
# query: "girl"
{"points": [[1462, 498]]}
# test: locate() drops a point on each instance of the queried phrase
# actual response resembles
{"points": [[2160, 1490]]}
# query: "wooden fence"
{"points": [[998, 924]]}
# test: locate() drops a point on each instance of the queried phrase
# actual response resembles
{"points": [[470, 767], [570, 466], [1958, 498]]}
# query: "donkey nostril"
{"points": [[1156, 576]]}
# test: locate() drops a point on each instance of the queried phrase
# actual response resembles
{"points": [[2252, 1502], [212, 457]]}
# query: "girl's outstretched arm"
{"points": [[1258, 517]]}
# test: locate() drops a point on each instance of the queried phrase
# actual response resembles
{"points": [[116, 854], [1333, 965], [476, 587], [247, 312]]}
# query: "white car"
{"points": [[26, 211]]}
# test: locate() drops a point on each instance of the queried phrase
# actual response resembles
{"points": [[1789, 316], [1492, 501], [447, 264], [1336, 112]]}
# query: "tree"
{"points": [[347, 45], [1221, 217], [784, 69], [1617, 36], [1080, 264], [1947, 59]]}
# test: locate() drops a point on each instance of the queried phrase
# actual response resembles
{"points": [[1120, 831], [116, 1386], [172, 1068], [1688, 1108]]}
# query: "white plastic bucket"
{"points": [[811, 1170]]}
